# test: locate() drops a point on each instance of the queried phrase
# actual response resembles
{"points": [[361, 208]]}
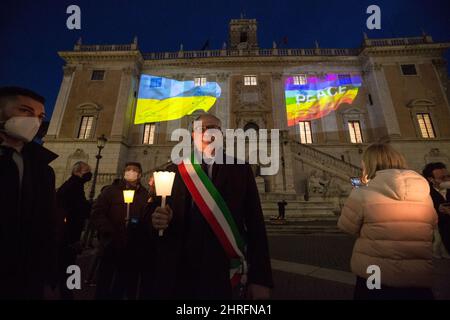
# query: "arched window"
{"points": [[251, 125]]}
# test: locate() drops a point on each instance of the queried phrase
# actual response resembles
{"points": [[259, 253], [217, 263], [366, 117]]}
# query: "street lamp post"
{"points": [[88, 230], [101, 141]]}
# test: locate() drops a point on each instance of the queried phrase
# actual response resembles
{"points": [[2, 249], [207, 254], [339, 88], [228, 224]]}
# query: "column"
{"points": [[61, 102], [223, 103], [278, 102], [284, 179], [381, 94], [440, 69], [278, 179], [330, 128], [329, 123], [289, 169], [122, 104], [172, 124]]}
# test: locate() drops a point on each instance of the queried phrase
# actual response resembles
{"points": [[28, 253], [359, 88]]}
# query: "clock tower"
{"points": [[243, 34]]}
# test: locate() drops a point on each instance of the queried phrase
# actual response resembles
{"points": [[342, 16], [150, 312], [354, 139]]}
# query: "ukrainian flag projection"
{"points": [[318, 97], [163, 99]]}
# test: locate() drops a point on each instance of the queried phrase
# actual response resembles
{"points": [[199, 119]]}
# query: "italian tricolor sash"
{"points": [[214, 209]]}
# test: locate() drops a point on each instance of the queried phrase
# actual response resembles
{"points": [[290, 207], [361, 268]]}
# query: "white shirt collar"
{"points": [[17, 148]]}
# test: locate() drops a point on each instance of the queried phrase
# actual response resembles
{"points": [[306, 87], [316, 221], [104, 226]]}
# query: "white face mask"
{"points": [[23, 128], [131, 175], [444, 185]]}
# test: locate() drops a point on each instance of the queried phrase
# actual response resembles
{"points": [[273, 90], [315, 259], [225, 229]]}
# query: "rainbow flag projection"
{"points": [[318, 97], [163, 99]]}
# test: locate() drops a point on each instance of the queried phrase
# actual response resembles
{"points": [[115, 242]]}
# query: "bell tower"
{"points": [[242, 33]]}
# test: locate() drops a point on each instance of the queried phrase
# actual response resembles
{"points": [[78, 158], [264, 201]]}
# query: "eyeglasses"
{"points": [[204, 128]]}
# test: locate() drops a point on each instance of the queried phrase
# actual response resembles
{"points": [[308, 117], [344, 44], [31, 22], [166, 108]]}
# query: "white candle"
{"points": [[163, 185]]}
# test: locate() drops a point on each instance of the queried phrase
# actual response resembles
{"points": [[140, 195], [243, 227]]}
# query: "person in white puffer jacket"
{"points": [[394, 218]]}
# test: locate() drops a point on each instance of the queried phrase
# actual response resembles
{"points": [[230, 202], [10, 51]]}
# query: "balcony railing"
{"points": [[397, 41], [111, 47], [275, 52], [249, 53]]}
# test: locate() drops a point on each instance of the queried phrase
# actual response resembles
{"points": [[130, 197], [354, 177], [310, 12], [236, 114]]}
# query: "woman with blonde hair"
{"points": [[393, 218]]}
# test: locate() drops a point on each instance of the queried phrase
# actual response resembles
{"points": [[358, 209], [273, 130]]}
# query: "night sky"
{"points": [[31, 32]]}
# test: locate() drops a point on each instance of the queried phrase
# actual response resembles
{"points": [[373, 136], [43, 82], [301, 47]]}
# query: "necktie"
{"points": [[205, 168]]}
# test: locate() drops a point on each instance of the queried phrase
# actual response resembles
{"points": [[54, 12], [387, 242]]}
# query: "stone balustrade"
{"points": [[326, 159]]}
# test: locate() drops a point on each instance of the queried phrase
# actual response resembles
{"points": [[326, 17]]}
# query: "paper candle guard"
{"points": [[128, 197], [163, 185]]}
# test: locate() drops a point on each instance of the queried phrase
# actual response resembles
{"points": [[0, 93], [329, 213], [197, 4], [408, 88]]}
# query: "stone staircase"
{"points": [[320, 213], [315, 216], [303, 226], [297, 208], [324, 161]]}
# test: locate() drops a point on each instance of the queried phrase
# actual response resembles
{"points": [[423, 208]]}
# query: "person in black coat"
{"points": [[281, 209], [28, 224], [118, 271], [74, 209], [190, 262], [439, 178]]}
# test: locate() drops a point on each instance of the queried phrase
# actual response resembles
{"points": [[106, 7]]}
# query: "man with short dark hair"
{"points": [[118, 271], [439, 178], [28, 224]]}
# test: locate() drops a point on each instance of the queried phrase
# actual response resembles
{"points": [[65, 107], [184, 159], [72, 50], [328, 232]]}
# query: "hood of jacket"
{"points": [[404, 185]]}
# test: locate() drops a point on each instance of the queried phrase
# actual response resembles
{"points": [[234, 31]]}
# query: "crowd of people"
{"points": [[400, 219], [196, 257]]}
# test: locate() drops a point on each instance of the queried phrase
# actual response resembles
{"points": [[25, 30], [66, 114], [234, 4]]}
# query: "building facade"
{"points": [[403, 98]]}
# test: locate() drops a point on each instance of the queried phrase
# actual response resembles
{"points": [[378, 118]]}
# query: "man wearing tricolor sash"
{"points": [[214, 244]]}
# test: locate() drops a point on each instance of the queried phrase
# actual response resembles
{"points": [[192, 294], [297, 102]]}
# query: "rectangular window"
{"points": [[370, 99], [354, 129], [98, 75], [305, 132], [149, 133], [409, 69], [300, 80], [85, 127], [200, 82], [250, 81], [426, 126], [243, 37]]}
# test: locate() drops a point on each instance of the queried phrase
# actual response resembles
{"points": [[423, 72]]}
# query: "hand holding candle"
{"points": [[163, 185], [161, 218]]}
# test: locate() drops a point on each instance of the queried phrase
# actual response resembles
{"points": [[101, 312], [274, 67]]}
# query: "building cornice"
{"points": [[420, 49], [74, 57]]}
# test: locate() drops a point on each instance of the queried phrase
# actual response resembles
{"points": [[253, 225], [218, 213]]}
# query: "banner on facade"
{"points": [[310, 97], [163, 99]]}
